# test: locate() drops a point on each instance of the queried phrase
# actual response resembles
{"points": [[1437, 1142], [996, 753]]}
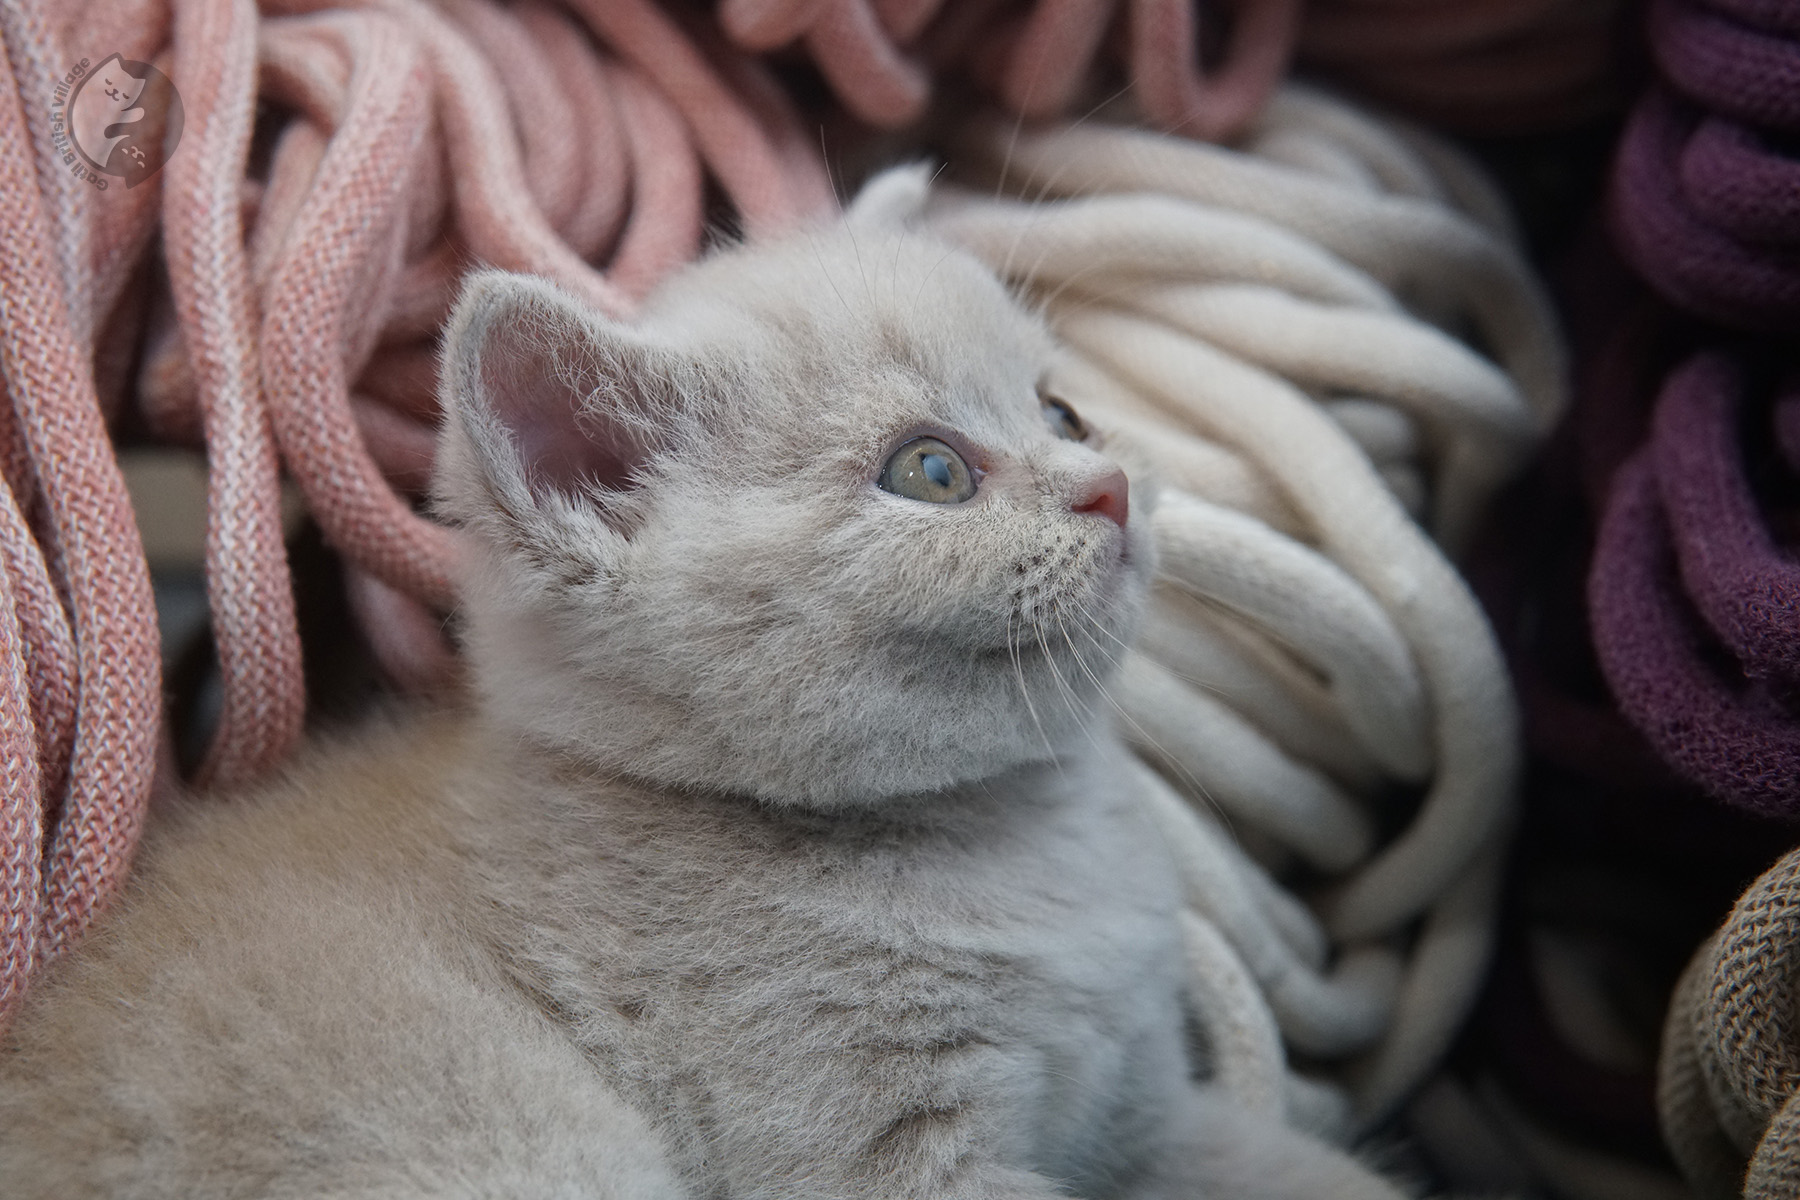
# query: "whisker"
{"points": [[1047, 182], [1192, 681], [1093, 112], [1089, 619], [831, 178], [1075, 653], [1012, 649], [824, 270], [1012, 144], [856, 249], [1070, 698], [1088, 298], [1184, 777]]}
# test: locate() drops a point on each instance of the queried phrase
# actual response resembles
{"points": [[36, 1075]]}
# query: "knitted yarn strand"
{"points": [[248, 587], [97, 553], [294, 334], [1038, 59], [21, 801]]}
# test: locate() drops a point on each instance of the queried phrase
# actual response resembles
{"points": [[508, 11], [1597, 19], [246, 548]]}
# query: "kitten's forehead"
{"points": [[886, 327]]}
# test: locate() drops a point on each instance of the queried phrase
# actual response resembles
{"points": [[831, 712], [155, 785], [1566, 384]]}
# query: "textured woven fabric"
{"points": [[1704, 196], [1694, 596], [1622, 854], [1685, 566], [21, 809], [249, 590], [1689, 586], [309, 262], [1041, 59], [1731, 1049], [1641, 580], [1494, 65], [1736, 69], [82, 517], [1309, 646], [1706, 212], [1650, 671]]}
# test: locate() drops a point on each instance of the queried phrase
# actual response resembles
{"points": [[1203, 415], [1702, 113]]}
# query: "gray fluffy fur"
{"points": [[787, 851]]}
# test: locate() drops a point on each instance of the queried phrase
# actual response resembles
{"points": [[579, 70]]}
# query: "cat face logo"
{"points": [[125, 119]]}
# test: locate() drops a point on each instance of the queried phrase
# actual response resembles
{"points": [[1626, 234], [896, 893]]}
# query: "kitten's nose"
{"points": [[1109, 495]]}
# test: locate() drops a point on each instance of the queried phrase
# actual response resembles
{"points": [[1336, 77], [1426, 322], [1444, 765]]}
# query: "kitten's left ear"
{"points": [[893, 198], [542, 395]]}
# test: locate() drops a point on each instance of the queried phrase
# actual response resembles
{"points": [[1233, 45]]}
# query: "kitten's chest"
{"points": [[1049, 888], [1064, 949], [1020, 953]]}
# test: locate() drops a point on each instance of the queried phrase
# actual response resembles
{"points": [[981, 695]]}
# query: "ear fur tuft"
{"points": [[543, 394], [893, 198]]}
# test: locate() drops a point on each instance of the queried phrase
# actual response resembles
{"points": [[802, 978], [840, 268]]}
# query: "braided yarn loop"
{"points": [[1693, 595], [1041, 59]]}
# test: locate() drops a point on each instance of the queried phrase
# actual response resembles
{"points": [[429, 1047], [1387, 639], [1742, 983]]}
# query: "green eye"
{"points": [[1062, 420], [927, 469]]}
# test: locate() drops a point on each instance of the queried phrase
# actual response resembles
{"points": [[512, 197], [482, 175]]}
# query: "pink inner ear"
{"points": [[539, 396]]}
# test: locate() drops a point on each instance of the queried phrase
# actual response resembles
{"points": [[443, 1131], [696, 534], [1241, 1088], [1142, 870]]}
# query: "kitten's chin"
{"points": [[1017, 706], [823, 723]]}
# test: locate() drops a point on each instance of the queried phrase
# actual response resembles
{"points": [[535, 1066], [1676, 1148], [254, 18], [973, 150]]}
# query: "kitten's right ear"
{"points": [[543, 397]]}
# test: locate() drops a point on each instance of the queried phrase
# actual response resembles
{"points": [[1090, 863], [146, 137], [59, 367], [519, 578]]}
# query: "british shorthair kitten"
{"points": [[786, 851]]}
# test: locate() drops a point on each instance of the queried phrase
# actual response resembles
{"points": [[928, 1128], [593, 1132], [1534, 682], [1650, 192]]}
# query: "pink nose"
{"points": [[1109, 496]]}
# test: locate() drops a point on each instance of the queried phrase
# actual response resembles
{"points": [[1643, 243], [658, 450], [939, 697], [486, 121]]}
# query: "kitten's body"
{"points": [[783, 856], [985, 978]]}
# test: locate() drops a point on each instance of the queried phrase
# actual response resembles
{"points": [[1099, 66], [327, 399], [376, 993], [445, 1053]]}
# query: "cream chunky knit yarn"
{"points": [[1292, 334]]}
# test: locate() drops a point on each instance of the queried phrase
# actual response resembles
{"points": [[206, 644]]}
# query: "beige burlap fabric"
{"points": [[1729, 1075]]}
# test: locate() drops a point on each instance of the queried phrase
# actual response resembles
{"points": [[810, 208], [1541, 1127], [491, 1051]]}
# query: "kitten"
{"points": [[786, 851]]}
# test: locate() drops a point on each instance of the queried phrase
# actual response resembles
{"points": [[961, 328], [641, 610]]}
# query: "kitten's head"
{"points": [[806, 530]]}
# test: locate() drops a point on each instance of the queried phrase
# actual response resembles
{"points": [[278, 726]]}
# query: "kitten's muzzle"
{"points": [[1107, 495]]}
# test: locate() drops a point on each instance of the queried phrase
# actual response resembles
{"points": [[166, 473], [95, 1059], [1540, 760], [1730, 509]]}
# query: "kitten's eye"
{"points": [[926, 469], [1063, 421]]}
